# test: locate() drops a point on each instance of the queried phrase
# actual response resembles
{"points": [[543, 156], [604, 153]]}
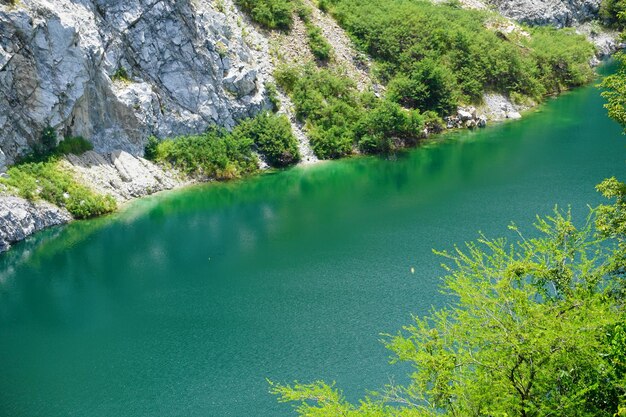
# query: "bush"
{"points": [[338, 116], [564, 65], [388, 127], [272, 14], [330, 104], [48, 141], [215, 154], [273, 137], [76, 145], [614, 13], [435, 56], [319, 46], [272, 95], [50, 182], [431, 86]]}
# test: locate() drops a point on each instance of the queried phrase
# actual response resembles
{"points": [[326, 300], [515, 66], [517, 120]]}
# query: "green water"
{"points": [[185, 303]]}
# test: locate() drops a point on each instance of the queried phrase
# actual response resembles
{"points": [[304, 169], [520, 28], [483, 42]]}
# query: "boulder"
{"points": [[20, 218]]}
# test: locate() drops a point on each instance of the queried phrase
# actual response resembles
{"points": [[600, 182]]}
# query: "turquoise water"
{"points": [[185, 303]]}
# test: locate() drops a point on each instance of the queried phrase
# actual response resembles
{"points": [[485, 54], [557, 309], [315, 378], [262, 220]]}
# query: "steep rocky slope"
{"points": [[560, 13], [117, 71]]}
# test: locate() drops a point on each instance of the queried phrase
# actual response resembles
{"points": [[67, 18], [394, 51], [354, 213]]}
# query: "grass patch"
{"points": [[48, 180]]}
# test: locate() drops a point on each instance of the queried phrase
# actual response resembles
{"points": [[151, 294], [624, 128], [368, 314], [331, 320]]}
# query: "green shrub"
{"points": [[387, 127], [48, 141], [120, 74], [318, 44], [151, 148], [48, 149], [330, 104], [50, 182], [304, 12], [76, 145], [272, 95], [614, 13], [436, 56], [273, 137], [431, 86], [562, 66], [272, 14], [215, 154], [338, 116]]}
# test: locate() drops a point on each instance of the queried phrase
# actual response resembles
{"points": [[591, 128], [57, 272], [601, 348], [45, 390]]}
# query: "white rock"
{"points": [[560, 13], [464, 114], [20, 218], [121, 174], [58, 58]]}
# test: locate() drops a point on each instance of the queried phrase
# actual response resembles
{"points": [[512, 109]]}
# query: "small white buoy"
{"points": [[412, 270]]}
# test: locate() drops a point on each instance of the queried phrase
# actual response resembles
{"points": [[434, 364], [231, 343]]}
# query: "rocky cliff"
{"points": [[118, 71], [20, 218], [560, 13]]}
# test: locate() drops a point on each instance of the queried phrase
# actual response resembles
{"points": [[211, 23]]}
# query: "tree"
{"points": [[615, 92], [536, 330]]}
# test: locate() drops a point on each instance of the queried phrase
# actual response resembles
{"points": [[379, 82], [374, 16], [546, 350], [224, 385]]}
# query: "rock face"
{"points": [[560, 13], [118, 71], [20, 218], [121, 174]]}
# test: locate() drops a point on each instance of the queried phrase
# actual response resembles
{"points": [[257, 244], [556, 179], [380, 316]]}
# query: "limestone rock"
{"points": [[186, 65], [560, 13], [20, 218], [121, 174]]}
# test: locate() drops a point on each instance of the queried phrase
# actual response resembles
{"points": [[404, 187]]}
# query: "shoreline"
{"points": [[130, 178]]}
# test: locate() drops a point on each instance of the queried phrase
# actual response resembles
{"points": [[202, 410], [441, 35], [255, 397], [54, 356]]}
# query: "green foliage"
{"points": [[329, 102], [120, 75], [386, 126], [435, 56], [320, 47], [615, 92], [430, 86], [151, 148], [304, 12], [76, 145], [273, 137], [535, 329], [215, 154], [614, 13], [50, 182], [323, 5], [563, 66], [48, 148], [48, 141], [339, 117], [272, 95], [272, 14], [225, 155]]}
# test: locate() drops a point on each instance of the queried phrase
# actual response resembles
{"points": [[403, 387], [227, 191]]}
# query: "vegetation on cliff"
{"points": [[41, 176], [219, 154], [435, 56], [432, 58], [339, 117]]}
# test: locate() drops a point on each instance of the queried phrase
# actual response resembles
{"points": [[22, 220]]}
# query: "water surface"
{"points": [[185, 303]]}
